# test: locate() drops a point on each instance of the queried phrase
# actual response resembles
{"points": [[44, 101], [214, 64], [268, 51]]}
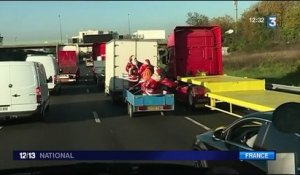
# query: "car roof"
{"points": [[261, 115]]}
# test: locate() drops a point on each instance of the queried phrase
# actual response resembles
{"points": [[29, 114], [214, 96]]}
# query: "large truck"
{"points": [[98, 51], [117, 55], [194, 59], [68, 64]]}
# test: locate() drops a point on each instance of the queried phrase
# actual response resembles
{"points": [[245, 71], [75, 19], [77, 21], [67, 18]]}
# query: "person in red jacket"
{"points": [[129, 64], [152, 86], [166, 84], [146, 70], [132, 71]]}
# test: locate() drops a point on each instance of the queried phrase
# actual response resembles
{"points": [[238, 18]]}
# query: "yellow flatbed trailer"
{"points": [[244, 92]]}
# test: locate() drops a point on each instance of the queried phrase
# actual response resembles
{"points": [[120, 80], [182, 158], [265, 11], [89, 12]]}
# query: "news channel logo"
{"points": [[271, 22]]}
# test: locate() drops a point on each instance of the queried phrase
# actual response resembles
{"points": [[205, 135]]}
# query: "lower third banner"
{"points": [[125, 155]]}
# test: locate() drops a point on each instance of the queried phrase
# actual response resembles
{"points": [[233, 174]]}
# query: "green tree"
{"points": [[225, 22], [196, 19], [291, 26]]}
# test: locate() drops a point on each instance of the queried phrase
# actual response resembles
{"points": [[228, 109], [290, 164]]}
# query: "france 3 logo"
{"points": [[271, 22]]}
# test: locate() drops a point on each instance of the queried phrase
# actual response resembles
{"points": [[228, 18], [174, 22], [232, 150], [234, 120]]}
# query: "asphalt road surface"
{"points": [[83, 118]]}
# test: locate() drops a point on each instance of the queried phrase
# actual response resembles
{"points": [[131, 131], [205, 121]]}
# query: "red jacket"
{"points": [[168, 83], [152, 86], [128, 66]]}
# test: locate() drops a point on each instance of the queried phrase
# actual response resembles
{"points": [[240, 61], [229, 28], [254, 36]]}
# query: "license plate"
{"points": [[154, 108], [3, 108], [64, 76]]}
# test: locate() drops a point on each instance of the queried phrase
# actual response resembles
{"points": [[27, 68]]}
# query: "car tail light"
{"points": [[38, 93], [142, 108]]}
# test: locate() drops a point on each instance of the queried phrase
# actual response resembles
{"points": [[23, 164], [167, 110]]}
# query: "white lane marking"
{"points": [[85, 79], [87, 74], [97, 119], [197, 123], [1, 127], [88, 91]]}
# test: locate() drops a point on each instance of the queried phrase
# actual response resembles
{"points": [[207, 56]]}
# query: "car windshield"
{"points": [[149, 76]]}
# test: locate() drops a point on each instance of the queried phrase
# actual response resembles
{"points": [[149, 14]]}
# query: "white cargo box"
{"points": [[150, 34], [117, 55]]}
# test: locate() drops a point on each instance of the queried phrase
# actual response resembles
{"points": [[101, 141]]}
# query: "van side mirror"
{"points": [[219, 133], [50, 79]]}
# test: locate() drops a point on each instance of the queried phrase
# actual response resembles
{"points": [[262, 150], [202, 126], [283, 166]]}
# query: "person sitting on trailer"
{"points": [[152, 85], [129, 64], [132, 70], [166, 84], [146, 70], [136, 63]]}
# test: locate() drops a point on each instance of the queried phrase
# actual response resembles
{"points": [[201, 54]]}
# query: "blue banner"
{"points": [[125, 155], [257, 155]]}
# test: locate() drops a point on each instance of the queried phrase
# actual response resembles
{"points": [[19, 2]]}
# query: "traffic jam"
{"points": [[136, 79]]}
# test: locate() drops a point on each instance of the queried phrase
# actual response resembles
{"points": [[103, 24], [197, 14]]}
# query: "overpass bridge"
{"points": [[41, 46]]}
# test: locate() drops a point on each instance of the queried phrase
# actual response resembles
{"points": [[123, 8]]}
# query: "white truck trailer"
{"points": [[117, 55]]}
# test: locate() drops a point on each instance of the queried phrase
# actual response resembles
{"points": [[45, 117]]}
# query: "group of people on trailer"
{"points": [[147, 78]]}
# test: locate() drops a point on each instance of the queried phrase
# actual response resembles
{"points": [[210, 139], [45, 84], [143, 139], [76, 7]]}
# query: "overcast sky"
{"points": [[38, 20]]}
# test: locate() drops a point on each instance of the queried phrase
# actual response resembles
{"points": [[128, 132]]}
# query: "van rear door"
{"points": [[24, 81], [5, 90]]}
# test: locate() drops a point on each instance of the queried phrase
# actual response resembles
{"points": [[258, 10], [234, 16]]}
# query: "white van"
{"points": [[52, 71], [23, 89]]}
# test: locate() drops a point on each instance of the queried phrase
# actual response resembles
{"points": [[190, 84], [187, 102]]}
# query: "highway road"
{"points": [[82, 118]]}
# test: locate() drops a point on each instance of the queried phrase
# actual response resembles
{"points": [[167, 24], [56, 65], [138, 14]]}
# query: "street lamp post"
{"points": [[236, 14], [128, 24], [60, 28]]}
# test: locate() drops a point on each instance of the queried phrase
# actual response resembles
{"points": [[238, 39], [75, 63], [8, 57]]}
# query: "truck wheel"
{"points": [[130, 110]]}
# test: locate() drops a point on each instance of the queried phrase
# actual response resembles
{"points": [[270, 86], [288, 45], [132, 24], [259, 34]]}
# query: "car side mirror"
{"points": [[219, 133], [60, 70], [50, 79]]}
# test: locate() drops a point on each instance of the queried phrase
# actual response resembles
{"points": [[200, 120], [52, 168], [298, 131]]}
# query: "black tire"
{"points": [[201, 163], [113, 98], [40, 116], [191, 101], [97, 83], [130, 110], [47, 108], [58, 90]]}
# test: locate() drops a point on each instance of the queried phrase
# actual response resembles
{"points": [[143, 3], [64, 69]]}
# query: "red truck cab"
{"points": [[193, 51]]}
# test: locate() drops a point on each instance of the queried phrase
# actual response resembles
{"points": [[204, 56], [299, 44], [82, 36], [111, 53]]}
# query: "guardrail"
{"points": [[284, 88]]}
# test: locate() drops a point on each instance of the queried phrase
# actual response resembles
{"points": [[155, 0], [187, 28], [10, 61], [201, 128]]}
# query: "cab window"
{"points": [[244, 133]]}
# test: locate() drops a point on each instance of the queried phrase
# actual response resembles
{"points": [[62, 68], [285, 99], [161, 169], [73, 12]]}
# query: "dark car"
{"points": [[99, 73], [251, 133]]}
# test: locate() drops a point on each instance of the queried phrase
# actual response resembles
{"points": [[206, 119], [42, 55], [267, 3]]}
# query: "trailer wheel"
{"points": [[130, 110], [191, 100]]}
